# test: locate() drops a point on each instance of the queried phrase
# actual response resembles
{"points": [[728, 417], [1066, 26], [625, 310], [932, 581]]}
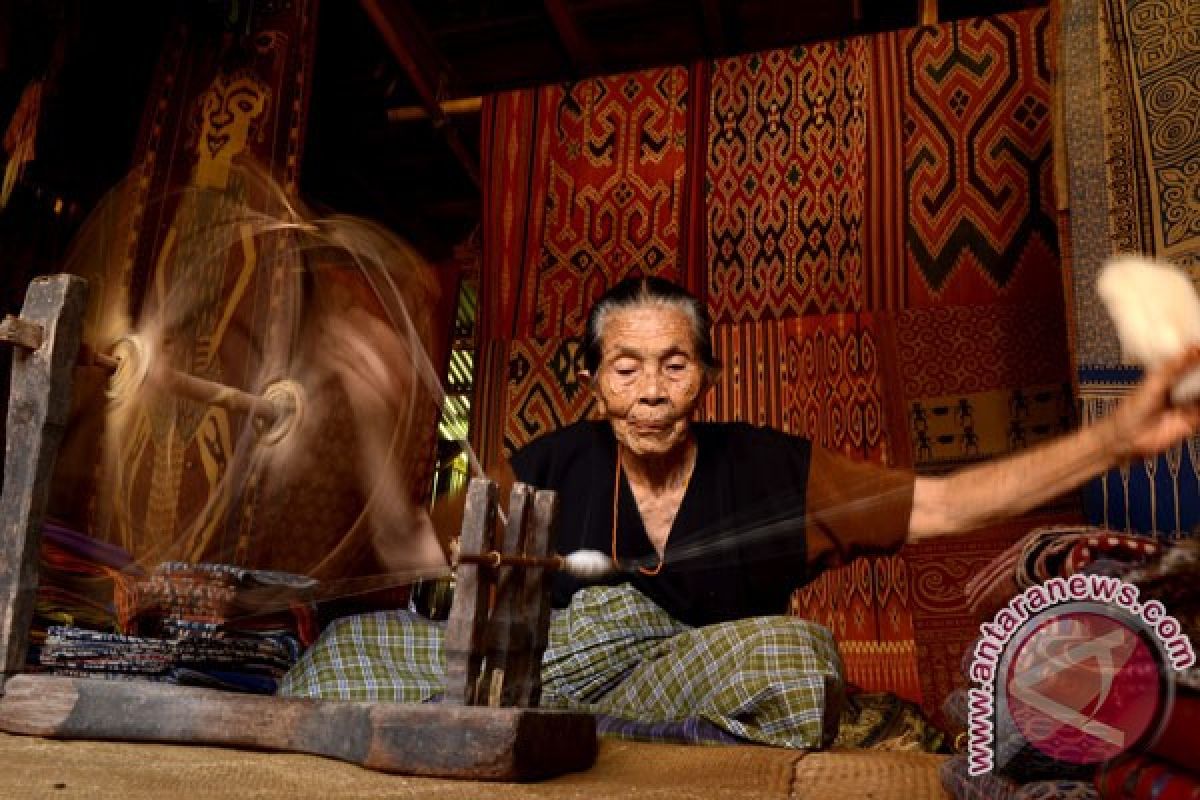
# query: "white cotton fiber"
{"points": [[1157, 314], [588, 565]]}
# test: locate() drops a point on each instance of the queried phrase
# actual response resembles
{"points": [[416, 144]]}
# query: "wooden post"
{"points": [[927, 12], [39, 402], [468, 614], [507, 634], [523, 685]]}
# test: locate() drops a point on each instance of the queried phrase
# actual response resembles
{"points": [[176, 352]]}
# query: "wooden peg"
{"points": [[21, 332]]}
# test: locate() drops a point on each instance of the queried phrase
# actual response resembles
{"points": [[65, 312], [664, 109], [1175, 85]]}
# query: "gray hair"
{"points": [[654, 292]]}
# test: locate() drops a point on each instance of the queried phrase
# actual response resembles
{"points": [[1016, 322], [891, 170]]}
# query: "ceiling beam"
{"points": [[583, 55], [409, 43], [461, 105], [927, 12], [714, 27]]}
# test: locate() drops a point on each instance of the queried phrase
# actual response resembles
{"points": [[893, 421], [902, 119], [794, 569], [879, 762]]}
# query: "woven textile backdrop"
{"points": [[215, 105], [584, 184], [1130, 70], [220, 103], [871, 222]]}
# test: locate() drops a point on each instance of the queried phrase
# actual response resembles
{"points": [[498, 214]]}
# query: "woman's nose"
{"points": [[651, 389]]}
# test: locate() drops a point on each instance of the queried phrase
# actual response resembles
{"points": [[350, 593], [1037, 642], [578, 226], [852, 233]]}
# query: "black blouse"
{"points": [[737, 545]]}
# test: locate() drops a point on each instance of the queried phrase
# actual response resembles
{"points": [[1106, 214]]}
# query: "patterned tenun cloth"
{"points": [[772, 680]]}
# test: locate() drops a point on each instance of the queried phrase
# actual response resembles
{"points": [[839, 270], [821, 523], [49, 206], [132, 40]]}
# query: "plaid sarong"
{"points": [[613, 652]]}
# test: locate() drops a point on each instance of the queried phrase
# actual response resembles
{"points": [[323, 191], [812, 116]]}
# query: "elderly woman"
{"points": [[722, 522]]}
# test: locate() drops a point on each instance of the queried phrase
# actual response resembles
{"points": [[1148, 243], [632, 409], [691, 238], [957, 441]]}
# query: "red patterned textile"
{"points": [[786, 159], [883, 221], [979, 210], [585, 188], [981, 380], [512, 178], [544, 393], [832, 389], [954, 349], [943, 624], [865, 604], [753, 374]]}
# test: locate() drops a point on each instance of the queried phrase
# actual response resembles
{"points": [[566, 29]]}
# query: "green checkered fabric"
{"points": [[774, 680], [394, 656]]}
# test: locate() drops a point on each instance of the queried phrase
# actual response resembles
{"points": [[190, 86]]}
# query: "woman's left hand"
{"points": [[1146, 422]]}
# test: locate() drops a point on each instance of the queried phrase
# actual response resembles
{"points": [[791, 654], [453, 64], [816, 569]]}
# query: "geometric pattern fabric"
{"points": [[784, 184], [979, 211], [1135, 166]]}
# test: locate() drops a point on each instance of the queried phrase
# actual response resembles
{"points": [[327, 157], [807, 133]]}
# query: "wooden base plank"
{"points": [[474, 742]]}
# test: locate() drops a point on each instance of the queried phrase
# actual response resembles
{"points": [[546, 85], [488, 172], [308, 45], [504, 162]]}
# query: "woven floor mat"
{"points": [[862, 775], [31, 767]]}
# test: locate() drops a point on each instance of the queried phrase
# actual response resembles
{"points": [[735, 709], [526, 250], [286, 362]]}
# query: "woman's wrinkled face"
{"points": [[650, 379]]}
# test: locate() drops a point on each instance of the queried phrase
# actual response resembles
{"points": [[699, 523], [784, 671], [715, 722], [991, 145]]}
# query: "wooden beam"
{"points": [[406, 39], [433, 739], [38, 405], [463, 105], [714, 27], [927, 12], [583, 55]]}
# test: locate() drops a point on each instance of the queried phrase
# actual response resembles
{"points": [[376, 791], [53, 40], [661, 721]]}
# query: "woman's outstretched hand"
{"points": [[1146, 422]]}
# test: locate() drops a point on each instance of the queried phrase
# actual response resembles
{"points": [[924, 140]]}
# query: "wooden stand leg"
{"points": [[465, 629], [508, 634], [525, 687], [39, 402]]}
